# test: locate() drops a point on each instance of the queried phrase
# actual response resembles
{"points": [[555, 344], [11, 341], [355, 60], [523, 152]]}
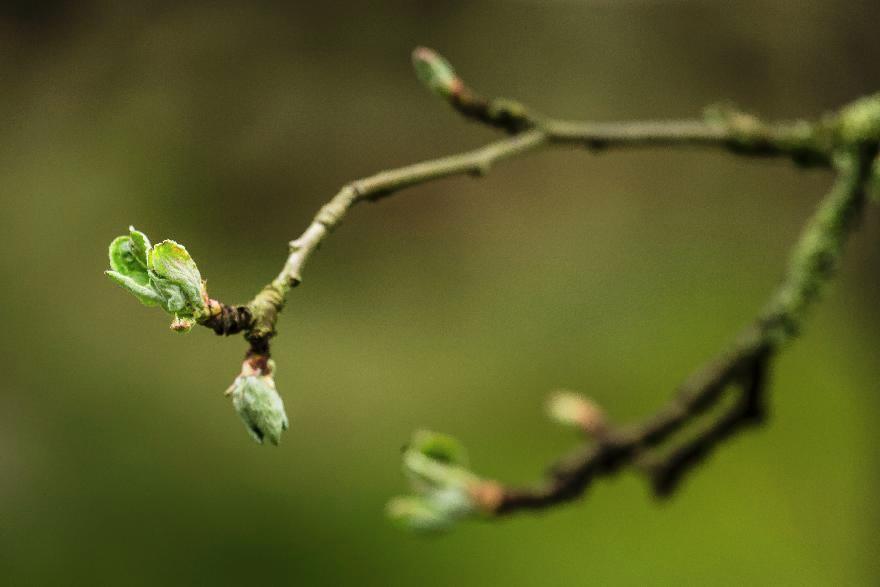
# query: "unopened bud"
{"points": [[257, 402], [860, 121], [573, 409], [435, 72], [181, 324]]}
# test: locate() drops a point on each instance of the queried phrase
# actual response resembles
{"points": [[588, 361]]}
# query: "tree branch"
{"points": [[804, 143], [744, 366], [846, 141]]}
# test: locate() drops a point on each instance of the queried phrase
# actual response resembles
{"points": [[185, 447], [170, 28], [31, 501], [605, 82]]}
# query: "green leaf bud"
{"points": [[174, 274], [446, 490], [860, 121], [435, 72], [573, 409], [257, 402], [163, 275]]}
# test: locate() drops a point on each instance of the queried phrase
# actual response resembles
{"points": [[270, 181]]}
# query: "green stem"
{"points": [[817, 253], [791, 140]]}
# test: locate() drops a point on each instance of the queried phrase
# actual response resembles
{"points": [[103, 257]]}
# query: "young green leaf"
{"points": [[172, 297], [163, 275], [124, 260], [417, 514], [171, 265], [439, 447], [140, 244], [146, 294]]}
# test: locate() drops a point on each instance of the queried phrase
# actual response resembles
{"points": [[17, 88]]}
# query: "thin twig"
{"points": [[763, 142], [834, 141], [744, 366]]}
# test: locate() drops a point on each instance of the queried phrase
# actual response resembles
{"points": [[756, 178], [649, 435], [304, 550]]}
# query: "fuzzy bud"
{"points": [[257, 402], [435, 72], [860, 121], [573, 409]]}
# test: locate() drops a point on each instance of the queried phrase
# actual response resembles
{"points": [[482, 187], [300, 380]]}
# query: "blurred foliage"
{"points": [[456, 306]]}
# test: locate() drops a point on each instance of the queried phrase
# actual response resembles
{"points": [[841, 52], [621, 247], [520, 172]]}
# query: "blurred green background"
{"points": [[455, 306]]}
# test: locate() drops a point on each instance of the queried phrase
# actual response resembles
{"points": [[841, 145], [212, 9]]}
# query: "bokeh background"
{"points": [[455, 306]]}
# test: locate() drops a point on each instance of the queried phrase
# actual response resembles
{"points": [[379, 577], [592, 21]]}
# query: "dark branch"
{"points": [[226, 320], [745, 367]]}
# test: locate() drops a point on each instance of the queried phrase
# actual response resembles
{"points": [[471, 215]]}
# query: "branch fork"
{"points": [[845, 141]]}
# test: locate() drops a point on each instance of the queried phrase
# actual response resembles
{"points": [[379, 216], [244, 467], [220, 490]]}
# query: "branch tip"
{"points": [[446, 490], [435, 72], [574, 409]]}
